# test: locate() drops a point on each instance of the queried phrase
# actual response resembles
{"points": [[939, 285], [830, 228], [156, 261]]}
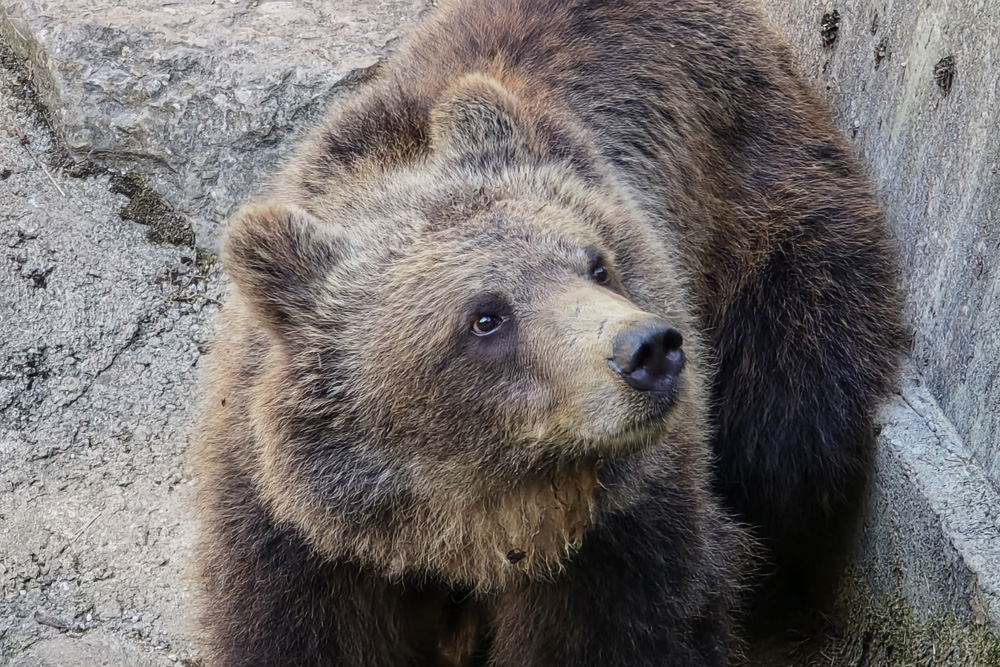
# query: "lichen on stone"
{"points": [[147, 207]]}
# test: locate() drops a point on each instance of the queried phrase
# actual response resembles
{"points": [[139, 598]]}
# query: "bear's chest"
{"points": [[451, 630]]}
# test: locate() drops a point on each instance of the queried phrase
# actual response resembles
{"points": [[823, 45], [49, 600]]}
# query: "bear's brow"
{"points": [[594, 256]]}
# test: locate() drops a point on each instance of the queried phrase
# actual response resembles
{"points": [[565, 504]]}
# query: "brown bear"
{"points": [[488, 324]]}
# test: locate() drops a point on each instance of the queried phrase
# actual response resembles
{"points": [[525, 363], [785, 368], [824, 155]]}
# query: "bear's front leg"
{"points": [[656, 585], [269, 601]]}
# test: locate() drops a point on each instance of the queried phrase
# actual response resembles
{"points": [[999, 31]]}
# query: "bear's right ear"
{"points": [[478, 120], [281, 258]]}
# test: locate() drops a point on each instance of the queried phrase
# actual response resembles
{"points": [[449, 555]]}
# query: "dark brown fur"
{"points": [[380, 488]]}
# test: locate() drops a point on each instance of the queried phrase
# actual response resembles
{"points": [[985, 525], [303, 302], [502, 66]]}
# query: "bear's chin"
{"points": [[643, 428]]}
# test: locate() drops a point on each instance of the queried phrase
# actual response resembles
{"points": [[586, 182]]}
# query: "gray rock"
{"points": [[94, 651], [201, 97], [932, 532], [94, 532]]}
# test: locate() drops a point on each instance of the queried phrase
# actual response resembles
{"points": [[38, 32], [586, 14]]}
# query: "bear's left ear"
{"points": [[281, 258], [478, 119]]}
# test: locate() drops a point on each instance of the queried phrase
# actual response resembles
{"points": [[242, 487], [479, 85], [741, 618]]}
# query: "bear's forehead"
{"points": [[470, 231], [509, 254], [509, 223], [531, 237]]}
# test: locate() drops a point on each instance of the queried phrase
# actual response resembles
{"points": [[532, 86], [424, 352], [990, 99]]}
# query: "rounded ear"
{"points": [[477, 119], [280, 258]]}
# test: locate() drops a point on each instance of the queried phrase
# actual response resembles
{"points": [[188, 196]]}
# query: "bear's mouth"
{"points": [[657, 378], [651, 418]]}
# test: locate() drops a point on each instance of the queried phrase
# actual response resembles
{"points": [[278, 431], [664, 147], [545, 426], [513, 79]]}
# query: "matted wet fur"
{"points": [[380, 485]]}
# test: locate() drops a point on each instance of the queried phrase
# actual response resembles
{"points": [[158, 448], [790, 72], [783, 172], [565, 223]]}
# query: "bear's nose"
{"points": [[648, 356]]}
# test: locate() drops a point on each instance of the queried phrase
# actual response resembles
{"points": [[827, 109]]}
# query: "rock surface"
{"points": [[100, 337], [932, 532], [199, 96], [97, 649]]}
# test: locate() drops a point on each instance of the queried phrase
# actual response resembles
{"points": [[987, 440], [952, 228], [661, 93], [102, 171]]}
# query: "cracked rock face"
{"points": [[202, 97], [100, 337]]}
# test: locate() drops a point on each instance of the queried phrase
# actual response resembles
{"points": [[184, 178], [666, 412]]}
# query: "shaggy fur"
{"points": [[381, 487]]}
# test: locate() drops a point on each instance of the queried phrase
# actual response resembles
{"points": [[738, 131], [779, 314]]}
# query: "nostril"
{"points": [[672, 339], [673, 363], [644, 355]]}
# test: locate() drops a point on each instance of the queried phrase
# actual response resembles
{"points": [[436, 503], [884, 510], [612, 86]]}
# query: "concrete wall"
{"points": [[916, 85]]}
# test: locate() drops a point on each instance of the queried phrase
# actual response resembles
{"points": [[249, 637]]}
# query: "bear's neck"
{"points": [[488, 538], [483, 539]]}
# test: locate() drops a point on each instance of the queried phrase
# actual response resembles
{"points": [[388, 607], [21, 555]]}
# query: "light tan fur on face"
{"points": [[445, 514]]}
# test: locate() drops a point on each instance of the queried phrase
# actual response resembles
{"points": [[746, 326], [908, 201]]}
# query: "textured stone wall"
{"points": [[203, 97], [916, 85]]}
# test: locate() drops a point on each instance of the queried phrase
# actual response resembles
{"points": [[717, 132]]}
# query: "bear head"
{"points": [[458, 341]]}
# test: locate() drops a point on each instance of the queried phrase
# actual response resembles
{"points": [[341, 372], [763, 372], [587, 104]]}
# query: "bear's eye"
{"points": [[600, 273], [484, 325]]}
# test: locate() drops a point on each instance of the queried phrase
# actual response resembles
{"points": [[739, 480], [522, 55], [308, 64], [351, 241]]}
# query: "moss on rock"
{"points": [[147, 207], [865, 629]]}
